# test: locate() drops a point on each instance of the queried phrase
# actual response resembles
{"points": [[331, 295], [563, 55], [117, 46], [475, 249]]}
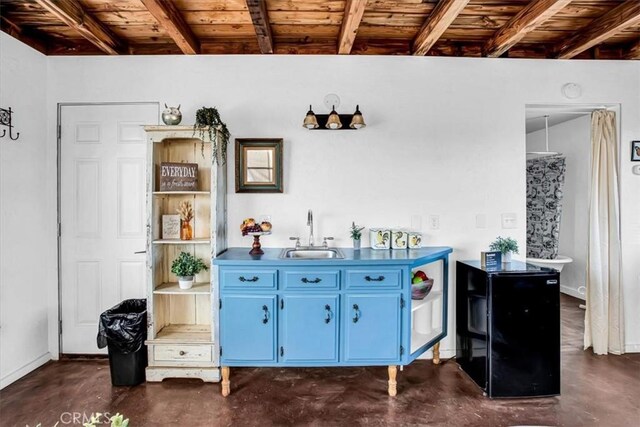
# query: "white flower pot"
{"points": [[506, 258], [185, 282]]}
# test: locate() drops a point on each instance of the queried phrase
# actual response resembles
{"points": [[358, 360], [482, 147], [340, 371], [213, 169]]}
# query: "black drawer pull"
{"points": [[356, 312], [328, 308], [266, 314], [244, 279], [374, 279], [316, 280]]}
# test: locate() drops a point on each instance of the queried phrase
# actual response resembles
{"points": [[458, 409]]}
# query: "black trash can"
{"points": [[123, 329]]}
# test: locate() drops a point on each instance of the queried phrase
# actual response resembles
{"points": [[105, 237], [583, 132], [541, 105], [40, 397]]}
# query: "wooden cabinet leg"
{"points": [[226, 385], [436, 353], [393, 384]]}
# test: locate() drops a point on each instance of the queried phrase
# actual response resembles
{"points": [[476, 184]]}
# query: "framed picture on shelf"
{"points": [[635, 151], [170, 227]]}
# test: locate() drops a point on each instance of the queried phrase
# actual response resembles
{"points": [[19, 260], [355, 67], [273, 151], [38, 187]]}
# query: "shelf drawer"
{"points": [[374, 278], [249, 279], [310, 279], [182, 353]]}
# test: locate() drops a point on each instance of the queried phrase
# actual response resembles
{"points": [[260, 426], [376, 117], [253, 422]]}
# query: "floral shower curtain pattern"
{"points": [[545, 180], [604, 318]]}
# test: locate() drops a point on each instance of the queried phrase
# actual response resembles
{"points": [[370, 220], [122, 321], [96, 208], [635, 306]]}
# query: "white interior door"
{"points": [[102, 215]]}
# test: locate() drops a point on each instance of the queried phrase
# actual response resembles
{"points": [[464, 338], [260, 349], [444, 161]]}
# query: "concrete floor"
{"points": [[596, 391]]}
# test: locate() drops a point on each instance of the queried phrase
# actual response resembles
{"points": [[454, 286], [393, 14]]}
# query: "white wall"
{"points": [[26, 246], [445, 136], [572, 139]]}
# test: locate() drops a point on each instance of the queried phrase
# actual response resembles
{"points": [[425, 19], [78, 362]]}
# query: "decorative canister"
{"points": [[415, 240], [380, 238], [398, 239]]}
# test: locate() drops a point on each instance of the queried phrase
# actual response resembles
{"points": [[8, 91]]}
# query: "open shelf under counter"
{"points": [[174, 289], [416, 304], [184, 334], [181, 242], [181, 193]]}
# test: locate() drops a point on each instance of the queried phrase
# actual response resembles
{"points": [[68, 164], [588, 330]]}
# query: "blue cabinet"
{"points": [[355, 311], [372, 328], [309, 328], [250, 335]]}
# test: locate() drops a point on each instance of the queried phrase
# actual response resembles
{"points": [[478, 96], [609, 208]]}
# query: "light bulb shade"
{"points": [[357, 121], [310, 121], [333, 122]]}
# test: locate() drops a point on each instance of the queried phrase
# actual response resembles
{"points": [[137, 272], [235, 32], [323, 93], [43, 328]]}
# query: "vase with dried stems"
{"points": [[186, 215]]}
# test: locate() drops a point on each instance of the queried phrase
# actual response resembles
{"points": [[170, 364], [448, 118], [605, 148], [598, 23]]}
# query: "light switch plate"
{"points": [[636, 170], [509, 220], [481, 221]]}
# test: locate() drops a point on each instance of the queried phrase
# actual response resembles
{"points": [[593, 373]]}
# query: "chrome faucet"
{"points": [[310, 224]]}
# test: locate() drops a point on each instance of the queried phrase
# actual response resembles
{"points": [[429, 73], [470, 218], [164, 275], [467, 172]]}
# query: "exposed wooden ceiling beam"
{"points": [[353, 11], [633, 52], [614, 21], [533, 15], [18, 33], [260, 18], [168, 15], [436, 24], [71, 13]]}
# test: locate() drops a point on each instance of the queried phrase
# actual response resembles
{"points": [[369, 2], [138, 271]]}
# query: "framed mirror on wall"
{"points": [[259, 165]]}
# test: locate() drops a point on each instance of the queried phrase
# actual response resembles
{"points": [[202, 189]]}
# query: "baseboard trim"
{"points": [[632, 348], [12, 377], [571, 292]]}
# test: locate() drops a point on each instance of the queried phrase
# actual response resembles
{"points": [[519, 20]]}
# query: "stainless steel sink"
{"points": [[312, 253]]}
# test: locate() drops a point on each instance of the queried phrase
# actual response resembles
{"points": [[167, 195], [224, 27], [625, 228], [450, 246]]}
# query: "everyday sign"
{"points": [[178, 176]]}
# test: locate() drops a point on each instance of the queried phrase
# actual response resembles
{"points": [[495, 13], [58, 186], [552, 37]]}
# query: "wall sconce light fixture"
{"points": [[333, 120]]}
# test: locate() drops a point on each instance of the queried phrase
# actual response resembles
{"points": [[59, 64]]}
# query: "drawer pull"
{"points": [[316, 280], [356, 312], [374, 279], [265, 320], [244, 279], [328, 308], [182, 353]]}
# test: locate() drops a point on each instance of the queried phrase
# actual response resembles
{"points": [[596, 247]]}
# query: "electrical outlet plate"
{"points": [[434, 222], [636, 170], [509, 220], [481, 221]]}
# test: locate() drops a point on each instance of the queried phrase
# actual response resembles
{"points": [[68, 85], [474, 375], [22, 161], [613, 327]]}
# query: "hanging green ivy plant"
{"points": [[207, 121]]}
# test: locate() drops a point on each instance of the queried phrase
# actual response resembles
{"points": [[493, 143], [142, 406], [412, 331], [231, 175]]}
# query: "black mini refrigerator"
{"points": [[508, 328]]}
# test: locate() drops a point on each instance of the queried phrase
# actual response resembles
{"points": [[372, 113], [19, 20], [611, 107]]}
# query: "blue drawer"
{"points": [[310, 279], [249, 279], [374, 278]]}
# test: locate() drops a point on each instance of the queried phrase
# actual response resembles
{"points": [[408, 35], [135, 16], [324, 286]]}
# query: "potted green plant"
{"points": [[185, 267], [506, 246], [356, 235], [208, 123]]}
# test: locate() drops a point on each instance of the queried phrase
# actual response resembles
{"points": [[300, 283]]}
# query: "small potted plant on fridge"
{"points": [[356, 235], [185, 267], [506, 246]]}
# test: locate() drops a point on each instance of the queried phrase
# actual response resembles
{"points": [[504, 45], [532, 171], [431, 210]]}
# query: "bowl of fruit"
{"points": [[420, 285], [251, 226]]}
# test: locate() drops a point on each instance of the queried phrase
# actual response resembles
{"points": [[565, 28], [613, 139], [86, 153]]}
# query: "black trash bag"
{"points": [[124, 327]]}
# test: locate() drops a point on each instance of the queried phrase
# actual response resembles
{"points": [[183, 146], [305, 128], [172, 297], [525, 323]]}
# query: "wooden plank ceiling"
{"points": [[585, 29]]}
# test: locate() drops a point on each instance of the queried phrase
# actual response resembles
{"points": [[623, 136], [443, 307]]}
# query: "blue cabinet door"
{"points": [[248, 328], [372, 328], [309, 329]]}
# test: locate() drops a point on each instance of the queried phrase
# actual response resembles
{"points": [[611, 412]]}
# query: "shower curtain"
{"points": [[604, 318], [545, 179]]}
